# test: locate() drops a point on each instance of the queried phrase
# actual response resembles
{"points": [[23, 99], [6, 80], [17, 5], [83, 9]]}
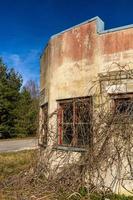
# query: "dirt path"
{"points": [[18, 145]]}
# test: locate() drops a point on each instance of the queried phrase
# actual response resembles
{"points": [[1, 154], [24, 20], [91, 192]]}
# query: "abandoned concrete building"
{"points": [[80, 67]]}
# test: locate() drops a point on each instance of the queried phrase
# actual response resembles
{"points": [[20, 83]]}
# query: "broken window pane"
{"points": [[67, 134], [68, 113], [83, 131], [124, 106], [83, 113]]}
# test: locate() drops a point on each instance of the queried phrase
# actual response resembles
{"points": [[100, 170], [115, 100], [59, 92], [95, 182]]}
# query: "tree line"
{"points": [[18, 104]]}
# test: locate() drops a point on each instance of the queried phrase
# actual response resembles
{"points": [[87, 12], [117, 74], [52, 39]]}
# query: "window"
{"points": [[123, 106], [74, 122], [44, 124]]}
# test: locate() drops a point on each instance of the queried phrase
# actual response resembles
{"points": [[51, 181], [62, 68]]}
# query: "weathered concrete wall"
{"points": [[74, 58], [118, 41], [115, 47], [71, 62], [45, 73]]}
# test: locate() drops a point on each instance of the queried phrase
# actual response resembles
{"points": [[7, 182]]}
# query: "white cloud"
{"points": [[27, 65]]}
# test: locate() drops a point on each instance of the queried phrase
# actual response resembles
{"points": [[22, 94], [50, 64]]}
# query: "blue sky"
{"points": [[26, 25]]}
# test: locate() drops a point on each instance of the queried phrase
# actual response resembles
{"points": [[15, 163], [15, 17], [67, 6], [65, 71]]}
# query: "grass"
{"points": [[13, 163]]}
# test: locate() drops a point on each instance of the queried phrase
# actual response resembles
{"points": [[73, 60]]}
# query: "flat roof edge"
{"points": [[116, 29], [100, 26]]}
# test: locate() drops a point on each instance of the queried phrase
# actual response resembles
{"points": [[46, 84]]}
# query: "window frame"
{"points": [[74, 123], [45, 138]]}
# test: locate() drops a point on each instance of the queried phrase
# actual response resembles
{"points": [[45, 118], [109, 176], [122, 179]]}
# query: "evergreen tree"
{"points": [[18, 106], [10, 83], [26, 115]]}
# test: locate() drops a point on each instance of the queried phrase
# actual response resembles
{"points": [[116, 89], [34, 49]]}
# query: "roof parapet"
{"points": [[116, 29], [99, 22], [100, 28]]}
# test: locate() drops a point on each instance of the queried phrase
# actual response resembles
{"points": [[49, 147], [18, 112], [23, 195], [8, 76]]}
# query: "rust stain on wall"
{"points": [[82, 52], [74, 45], [117, 41]]}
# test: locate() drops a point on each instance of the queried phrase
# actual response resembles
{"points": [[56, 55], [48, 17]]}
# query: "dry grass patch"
{"points": [[13, 163], [19, 180]]}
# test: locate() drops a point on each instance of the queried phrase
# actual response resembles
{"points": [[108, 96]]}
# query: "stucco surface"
{"points": [[72, 62]]}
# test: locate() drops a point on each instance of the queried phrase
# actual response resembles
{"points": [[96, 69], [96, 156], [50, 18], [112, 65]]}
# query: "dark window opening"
{"points": [[44, 126], [123, 108], [74, 122]]}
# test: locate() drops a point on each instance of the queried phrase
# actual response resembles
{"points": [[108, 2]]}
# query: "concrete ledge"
{"points": [[64, 148]]}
